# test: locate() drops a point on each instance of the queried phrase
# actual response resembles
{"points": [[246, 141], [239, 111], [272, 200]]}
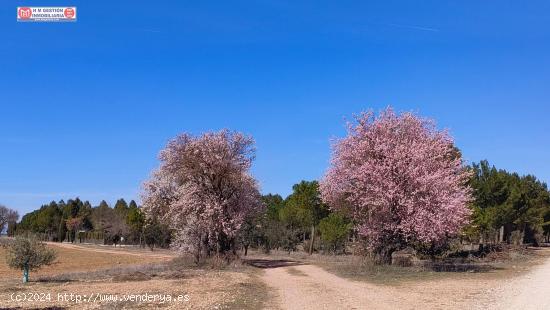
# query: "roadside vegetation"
{"points": [[499, 265]]}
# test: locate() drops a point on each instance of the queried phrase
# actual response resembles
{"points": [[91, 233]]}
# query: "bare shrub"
{"points": [[134, 276]]}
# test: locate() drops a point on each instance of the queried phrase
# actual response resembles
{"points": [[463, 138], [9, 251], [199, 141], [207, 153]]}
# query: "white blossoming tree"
{"points": [[203, 189]]}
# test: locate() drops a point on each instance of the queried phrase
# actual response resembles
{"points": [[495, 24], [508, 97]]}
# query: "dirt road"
{"points": [[528, 292], [311, 287]]}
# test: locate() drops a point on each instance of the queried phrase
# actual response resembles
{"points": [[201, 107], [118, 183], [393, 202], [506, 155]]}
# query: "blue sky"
{"points": [[85, 107]]}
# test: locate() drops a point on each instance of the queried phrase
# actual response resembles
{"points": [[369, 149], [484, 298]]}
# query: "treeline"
{"points": [[508, 207], [286, 224], [77, 221], [300, 219]]}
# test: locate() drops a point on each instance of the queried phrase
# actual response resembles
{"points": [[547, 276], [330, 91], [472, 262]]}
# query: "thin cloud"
{"points": [[414, 27], [150, 30]]}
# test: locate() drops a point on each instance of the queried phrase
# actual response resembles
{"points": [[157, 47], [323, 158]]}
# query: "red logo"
{"points": [[69, 13], [24, 13]]}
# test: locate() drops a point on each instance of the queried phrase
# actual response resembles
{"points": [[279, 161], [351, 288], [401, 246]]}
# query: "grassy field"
{"points": [[98, 273], [74, 260]]}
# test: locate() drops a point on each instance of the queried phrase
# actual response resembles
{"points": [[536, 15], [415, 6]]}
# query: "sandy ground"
{"points": [[311, 287], [528, 292]]}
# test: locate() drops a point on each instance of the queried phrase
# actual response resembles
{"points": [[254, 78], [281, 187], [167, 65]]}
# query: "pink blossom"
{"points": [[401, 178]]}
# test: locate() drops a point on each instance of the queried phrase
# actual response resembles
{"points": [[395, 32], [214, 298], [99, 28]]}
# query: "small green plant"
{"points": [[28, 253]]}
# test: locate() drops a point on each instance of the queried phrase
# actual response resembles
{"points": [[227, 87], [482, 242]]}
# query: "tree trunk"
{"points": [[312, 239], [245, 249], [386, 256], [481, 243], [199, 250], [206, 245], [197, 257], [432, 252], [522, 234], [26, 273]]}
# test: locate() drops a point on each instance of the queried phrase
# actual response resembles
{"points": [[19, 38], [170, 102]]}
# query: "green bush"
{"points": [[334, 231], [28, 253]]}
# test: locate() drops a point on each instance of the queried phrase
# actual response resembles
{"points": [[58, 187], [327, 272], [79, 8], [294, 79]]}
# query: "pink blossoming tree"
{"points": [[203, 189], [402, 181]]}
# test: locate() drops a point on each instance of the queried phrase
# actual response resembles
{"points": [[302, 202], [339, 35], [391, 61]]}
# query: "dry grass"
{"points": [[295, 272], [250, 294], [207, 290], [76, 260], [364, 269], [508, 264], [100, 270]]}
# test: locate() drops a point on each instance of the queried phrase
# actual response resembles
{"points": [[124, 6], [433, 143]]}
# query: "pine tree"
{"points": [[121, 207]]}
